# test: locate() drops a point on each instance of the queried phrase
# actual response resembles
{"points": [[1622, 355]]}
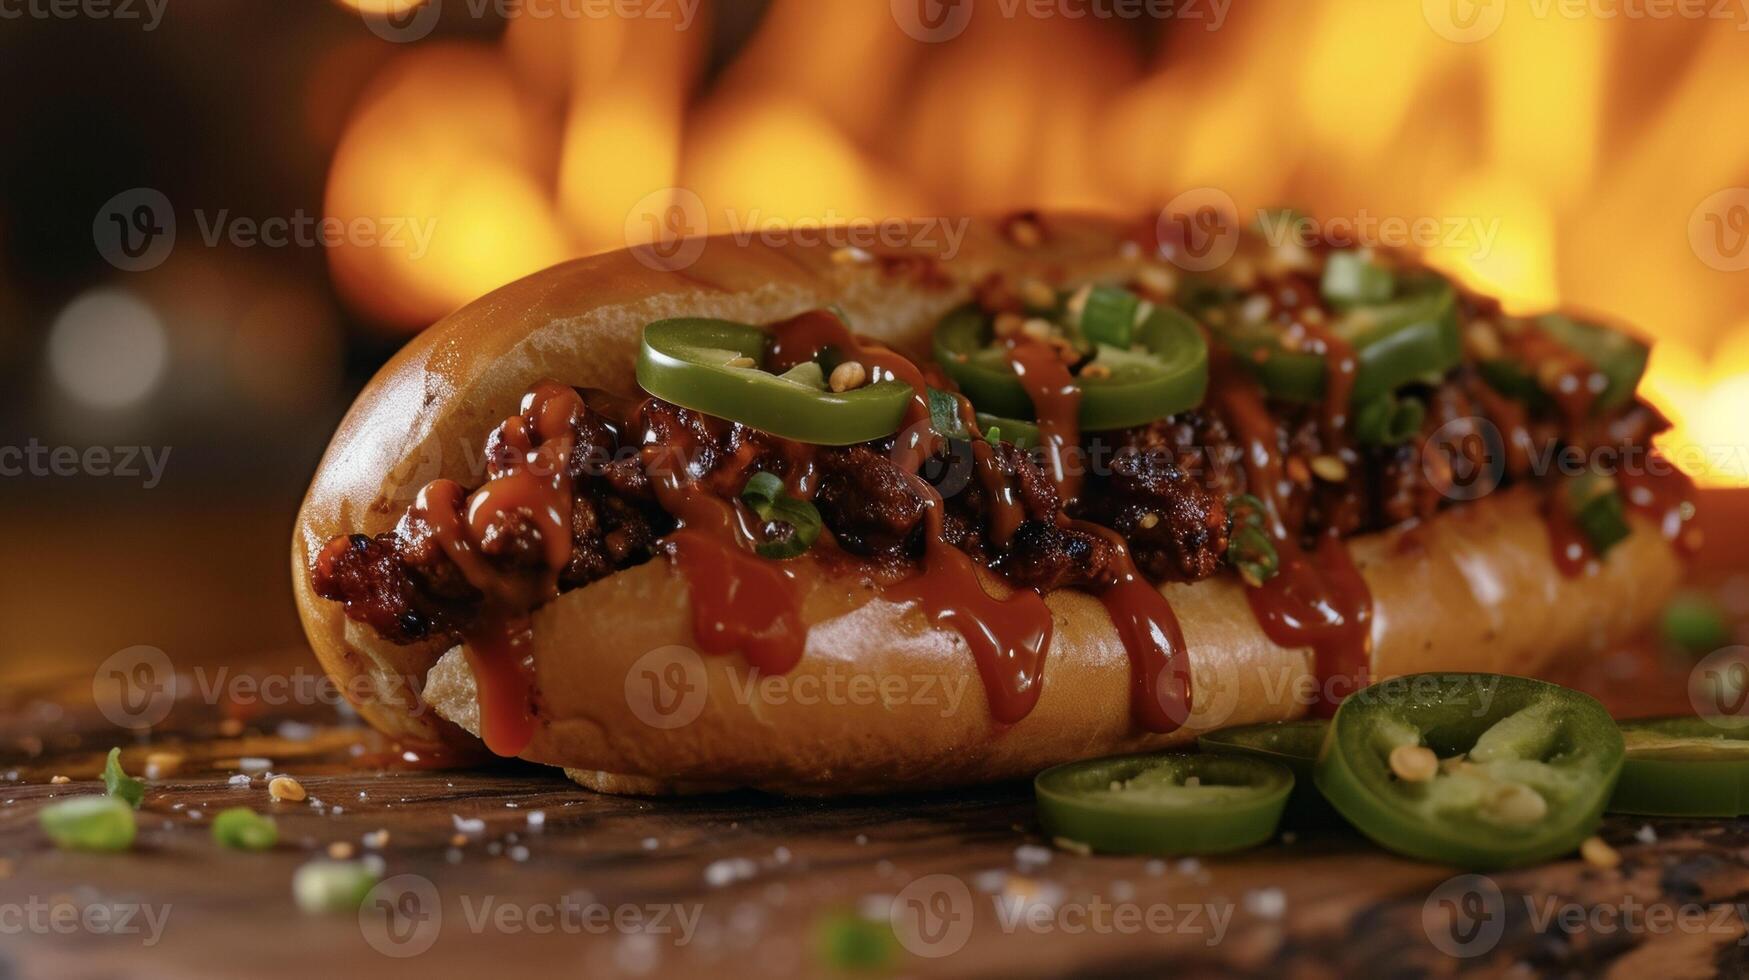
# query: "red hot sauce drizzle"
{"points": [[532, 483], [740, 601], [1318, 600], [1160, 676], [1008, 637]]}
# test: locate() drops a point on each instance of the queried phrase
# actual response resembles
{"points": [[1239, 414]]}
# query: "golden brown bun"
{"points": [[880, 699]]}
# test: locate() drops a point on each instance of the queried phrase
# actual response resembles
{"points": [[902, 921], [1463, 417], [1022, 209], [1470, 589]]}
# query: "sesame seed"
{"points": [[1598, 853], [1330, 469], [1036, 294], [848, 376], [285, 788], [1414, 763]]}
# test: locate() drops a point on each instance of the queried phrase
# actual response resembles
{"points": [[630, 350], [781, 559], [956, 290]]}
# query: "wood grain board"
{"points": [[744, 884]]}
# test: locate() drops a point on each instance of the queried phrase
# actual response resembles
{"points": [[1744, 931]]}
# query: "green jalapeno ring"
{"points": [[766, 494], [687, 361], [1169, 375], [1022, 435], [1518, 736], [1684, 766], [1596, 505], [1294, 744], [1620, 357], [1164, 804], [1411, 338]]}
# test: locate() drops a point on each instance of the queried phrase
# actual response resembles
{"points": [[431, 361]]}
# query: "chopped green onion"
{"points": [[944, 415], [1388, 421], [1694, 623], [1352, 278], [798, 521], [333, 887], [847, 941], [242, 829], [90, 823], [1108, 315], [1597, 510], [1023, 435], [119, 784], [1253, 554], [1245, 510]]}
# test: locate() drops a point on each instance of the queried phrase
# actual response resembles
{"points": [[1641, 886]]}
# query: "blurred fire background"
{"points": [[1602, 148]]}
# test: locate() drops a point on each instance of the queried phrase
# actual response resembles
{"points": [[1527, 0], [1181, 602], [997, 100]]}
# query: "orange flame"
{"points": [[1552, 182]]}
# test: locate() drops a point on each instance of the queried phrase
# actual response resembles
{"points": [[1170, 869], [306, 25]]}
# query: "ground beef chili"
{"points": [[1163, 487]]}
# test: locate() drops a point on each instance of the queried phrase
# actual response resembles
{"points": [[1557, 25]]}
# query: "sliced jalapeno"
{"points": [[1120, 386], [1618, 357], [1683, 767], [1389, 421], [1172, 803], [792, 524], [1412, 337], [1476, 770], [1293, 744], [1353, 278], [1597, 509], [712, 366], [1023, 435]]}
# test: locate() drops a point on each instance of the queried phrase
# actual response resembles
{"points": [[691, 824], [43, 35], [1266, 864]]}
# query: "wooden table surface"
{"points": [[549, 878], [741, 885]]}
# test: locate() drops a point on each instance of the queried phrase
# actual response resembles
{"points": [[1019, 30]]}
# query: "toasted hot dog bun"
{"points": [[881, 700]]}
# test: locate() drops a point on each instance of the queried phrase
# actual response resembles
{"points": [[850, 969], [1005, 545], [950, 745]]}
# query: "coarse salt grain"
{"points": [[1266, 903], [729, 870]]}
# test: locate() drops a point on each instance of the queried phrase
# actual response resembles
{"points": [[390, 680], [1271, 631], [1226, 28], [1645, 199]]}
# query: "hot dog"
{"points": [[817, 520]]}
